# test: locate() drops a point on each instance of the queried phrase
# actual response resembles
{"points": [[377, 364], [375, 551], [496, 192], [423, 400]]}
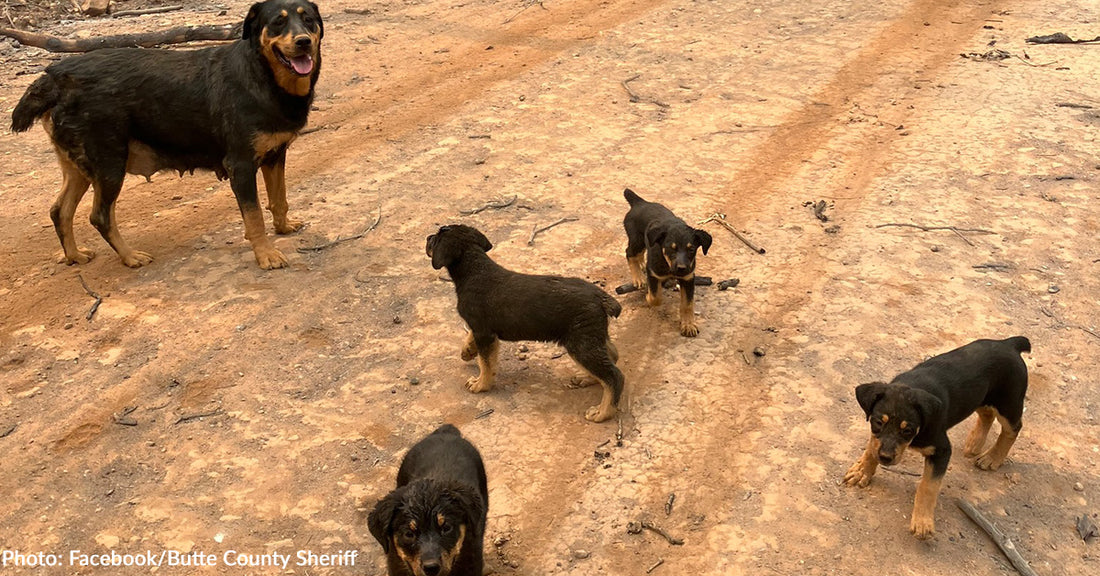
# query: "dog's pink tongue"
{"points": [[302, 64]]}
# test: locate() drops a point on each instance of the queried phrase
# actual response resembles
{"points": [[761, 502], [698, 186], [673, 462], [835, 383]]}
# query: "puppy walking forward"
{"points": [[918, 407], [498, 304], [230, 109], [433, 523], [661, 246]]}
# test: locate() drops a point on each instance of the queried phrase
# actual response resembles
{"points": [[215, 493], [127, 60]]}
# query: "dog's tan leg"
{"points": [[995, 456], [469, 348], [653, 293], [976, 439], [923, 523], [73, 186], [267, 256], [606, 408], [863, 470], [637, 270], [107, 187], [688, 327], [275, 183], [487, 368]]}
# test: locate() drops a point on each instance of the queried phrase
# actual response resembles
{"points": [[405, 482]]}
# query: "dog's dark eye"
{"points": [[408, 535], [446, 528], [876, 425]]}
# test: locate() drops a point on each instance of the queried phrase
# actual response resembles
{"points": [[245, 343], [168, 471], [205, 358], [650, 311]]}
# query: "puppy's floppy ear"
{"points": [[252, 26], [471, 503], [702, 239], [320, 23], [868, 395], [929, 406], [380, 520], [482, 241], [655, 234]]}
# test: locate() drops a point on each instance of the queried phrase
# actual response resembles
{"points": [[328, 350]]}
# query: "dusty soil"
{"points": [[319, 376]]}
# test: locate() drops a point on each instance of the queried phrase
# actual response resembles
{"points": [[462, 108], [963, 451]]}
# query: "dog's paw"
{"points": [[475, 385], [582, 382], [81, 256], [857, 476], [988, 461], [653, 298], [596, 414], [289, 226], [691, 330], [923, 528], [136, 259], [270, 258]]}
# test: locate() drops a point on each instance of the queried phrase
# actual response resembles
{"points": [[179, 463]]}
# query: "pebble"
{"points": [[1078, 486], [1054, 289], [758, 351], [581, 554], [414, 380]]}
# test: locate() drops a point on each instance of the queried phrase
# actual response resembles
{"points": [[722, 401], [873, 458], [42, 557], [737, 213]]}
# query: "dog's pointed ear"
{"points": [[320, 23], [702, 239], [655, 234], [251, 27], [929, 406], [868, 395], [380, 520]]}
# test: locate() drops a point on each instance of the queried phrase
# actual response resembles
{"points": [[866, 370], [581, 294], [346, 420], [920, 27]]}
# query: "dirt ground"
{"points": [[315, 379]]}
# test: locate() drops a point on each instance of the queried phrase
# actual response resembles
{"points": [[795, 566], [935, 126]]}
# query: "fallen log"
{"points": [[177, 35]]}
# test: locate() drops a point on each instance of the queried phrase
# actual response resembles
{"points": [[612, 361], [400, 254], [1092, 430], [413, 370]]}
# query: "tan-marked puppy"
{"points": [[433, 524], [917, 408], [661, 246], [231, 109]]}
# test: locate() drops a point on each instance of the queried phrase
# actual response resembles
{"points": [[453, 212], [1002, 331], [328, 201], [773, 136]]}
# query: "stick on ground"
{"points": [[98, 299], [536, 230], [721, 219], [958, 231], [491, 205], [177, 35], [339, 239], [635, 97], [160, 10], [998, 537]]}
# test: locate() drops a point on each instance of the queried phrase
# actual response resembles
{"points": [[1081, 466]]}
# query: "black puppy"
{"points": [[498, 304], [433, 524], [669, 246], [916, 409], [230, 109]]}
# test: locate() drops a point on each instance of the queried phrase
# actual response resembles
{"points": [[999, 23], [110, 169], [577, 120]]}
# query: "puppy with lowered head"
{"points": [[661, 246], [917, 408], [433, 524], [498, 304]]}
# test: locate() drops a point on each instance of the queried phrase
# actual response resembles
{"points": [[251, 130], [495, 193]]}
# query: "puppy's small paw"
{"points": [[596, 414], [653, 298], [476, 386], [690, 330], [923, 528], [857, 476], [136, 259], [988, 461]]}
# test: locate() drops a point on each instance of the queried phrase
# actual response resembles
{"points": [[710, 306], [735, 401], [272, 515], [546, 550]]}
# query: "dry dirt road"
{"points": [[319, 376]]}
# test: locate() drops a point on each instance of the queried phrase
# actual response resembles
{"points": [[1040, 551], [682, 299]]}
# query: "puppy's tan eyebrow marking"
{"points": [[904, 425], [885, 418]]}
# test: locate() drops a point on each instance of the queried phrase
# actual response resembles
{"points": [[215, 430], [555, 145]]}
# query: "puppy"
{"points": [[231, 109], [917, 408], [433, 524], [668, 246], [498, 304]]}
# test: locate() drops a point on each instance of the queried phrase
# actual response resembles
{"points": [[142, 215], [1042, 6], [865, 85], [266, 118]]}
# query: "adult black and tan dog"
{"points": [[433, 524], [916, 409], [230, 109], [668, 246], [498, 304]]}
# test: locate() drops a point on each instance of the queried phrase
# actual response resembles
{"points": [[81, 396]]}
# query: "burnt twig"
{"points": [[529, 4], [1058, 38], [124, 418], [958, 231], [484, 413], [635, 97], [536, 230], [191, 417], [490, 205], [339, 239], [668, 503], [900, 471], [8, 432], [998, 537], [993, 266], [654, 566], [721, 219], [160, 10], [637, 527], [98, 299]]}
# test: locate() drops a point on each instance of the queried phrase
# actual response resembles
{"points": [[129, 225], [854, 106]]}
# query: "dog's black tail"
{"points": [[610, 305], [631, 197], [42, 95], [448, 429], [1020, 343]]}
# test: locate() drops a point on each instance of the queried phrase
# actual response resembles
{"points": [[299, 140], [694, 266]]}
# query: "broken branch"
{"points": [[490, 205], [536, 230], [958, 231], [339, 239], [998, 537], [98, 299], [177, 35], [183, 419], [635, 97], [721, 219], [637, 527], [654, 566], [143, 11]]}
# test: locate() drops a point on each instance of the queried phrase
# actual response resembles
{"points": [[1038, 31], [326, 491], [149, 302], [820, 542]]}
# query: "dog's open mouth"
{"points": [[301, 65]]}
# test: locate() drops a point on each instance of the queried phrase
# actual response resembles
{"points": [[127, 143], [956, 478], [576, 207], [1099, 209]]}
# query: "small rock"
{"points": [[95, 7], [1054, 289], [936, 248], [68, 326], [1078, 486], [758, 352], [581, 554], [414, 380], [523, 348], [396, 319]]}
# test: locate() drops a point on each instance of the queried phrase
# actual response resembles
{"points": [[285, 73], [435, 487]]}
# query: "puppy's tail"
{"points": [[610, 305], [1020, 343], [42, 95], [631, 197]]}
